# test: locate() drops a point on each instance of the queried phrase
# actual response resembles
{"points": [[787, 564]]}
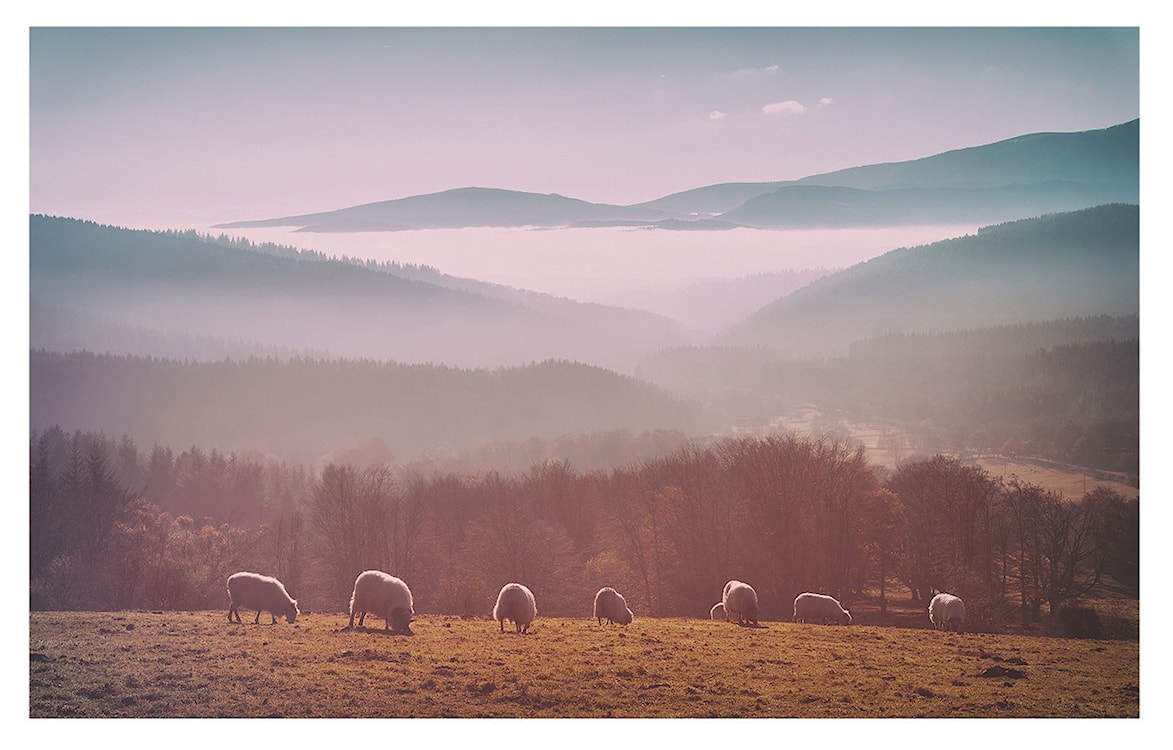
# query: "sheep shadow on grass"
{"points": [[380, 631]]}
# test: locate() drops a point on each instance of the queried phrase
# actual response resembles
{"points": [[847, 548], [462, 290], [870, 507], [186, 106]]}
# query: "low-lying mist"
{"points": [[605, 264]]}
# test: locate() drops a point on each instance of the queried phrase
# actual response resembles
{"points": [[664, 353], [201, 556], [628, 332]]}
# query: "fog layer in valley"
{"points": [[612, 265]]}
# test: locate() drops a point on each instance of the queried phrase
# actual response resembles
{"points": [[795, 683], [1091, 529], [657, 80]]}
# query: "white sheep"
{"points": [[741, 600], [383, 595], [810, 607], [717, 612], [610, 605], [946, 612], [516, 603], [262, 593]]}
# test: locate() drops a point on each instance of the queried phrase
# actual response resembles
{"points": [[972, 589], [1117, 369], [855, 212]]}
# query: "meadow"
{"points": [[197, 664]]}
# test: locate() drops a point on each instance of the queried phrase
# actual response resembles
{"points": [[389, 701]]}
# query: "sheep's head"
{"points": [[845, 618], [292, 612], [401, 619], [625, 617]]}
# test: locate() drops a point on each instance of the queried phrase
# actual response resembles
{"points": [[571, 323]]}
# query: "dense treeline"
{"points": [[112, 527], [1066, 390]]}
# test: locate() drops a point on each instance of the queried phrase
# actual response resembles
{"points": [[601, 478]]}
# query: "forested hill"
{"points": [[1077, 264], [179, 284], [305, 408]]}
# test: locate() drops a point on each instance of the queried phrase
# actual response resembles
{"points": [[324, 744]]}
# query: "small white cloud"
{"points": [[825, 102], [789, 107], [755, 71], [716, 114]]}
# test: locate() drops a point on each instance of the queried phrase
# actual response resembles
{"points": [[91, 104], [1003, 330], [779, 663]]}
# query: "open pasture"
{"points": [[197, 664]]}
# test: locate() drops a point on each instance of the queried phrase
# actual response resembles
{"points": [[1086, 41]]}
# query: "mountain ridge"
{"points": [[1046, 167]]}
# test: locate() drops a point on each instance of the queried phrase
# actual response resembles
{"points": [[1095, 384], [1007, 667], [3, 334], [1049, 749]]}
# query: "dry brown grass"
{"points": [[196, 664]]}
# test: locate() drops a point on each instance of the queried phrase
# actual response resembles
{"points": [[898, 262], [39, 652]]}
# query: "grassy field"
{"points": [[196, 664]]}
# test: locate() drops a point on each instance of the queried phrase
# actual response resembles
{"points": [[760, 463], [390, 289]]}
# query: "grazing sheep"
{"points": [[515, 603], [740, 599], [385, 596], [717, 612], [262, 593], [611, 605], [946, 612], [820, 608]]}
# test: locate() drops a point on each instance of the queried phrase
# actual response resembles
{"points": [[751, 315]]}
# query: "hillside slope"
{"points": [[184, 285], [305, 407], [1082, 263]]}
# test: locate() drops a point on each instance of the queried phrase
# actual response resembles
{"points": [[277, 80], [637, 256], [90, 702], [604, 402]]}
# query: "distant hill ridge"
{"points": [[1010, 179]]}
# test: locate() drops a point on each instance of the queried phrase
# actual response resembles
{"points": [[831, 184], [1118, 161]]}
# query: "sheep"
{"points": [[810, 607], [262, 593], [515, 602], [740, 599], [717, 612], [611, 605], [385, 596], [946, 612]]}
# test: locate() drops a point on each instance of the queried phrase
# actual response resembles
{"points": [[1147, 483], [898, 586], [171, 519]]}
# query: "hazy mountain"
{"points": [[1011, 179], [305, 408], [714, 304], [812, 206], [462, 207], [1073, 264], [710, 200], [180, 284], [1107, 157]]}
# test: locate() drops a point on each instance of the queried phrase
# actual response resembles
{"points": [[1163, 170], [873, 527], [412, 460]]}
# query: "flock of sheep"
{"points": [[389, 598]]}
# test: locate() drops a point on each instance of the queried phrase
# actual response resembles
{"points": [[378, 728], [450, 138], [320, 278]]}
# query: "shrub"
{"points": [[1081, 622]]}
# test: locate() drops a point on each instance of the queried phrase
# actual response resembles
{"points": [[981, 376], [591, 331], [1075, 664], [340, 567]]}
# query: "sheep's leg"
{"points": [[501, 622], [257, 619], [351, 625], [362, 616], [274, 618]]}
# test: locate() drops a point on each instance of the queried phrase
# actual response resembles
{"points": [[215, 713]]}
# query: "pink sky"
{"points": [[168, 127]]}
